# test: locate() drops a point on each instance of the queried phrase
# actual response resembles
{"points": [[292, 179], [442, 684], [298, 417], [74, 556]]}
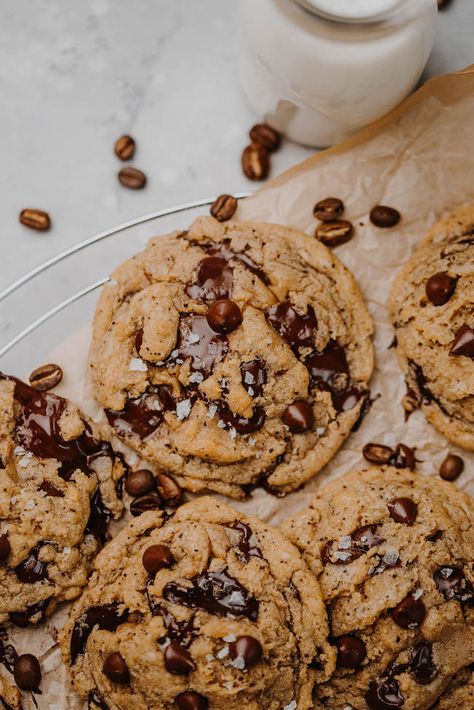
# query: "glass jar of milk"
{"points": [[319, 70]]}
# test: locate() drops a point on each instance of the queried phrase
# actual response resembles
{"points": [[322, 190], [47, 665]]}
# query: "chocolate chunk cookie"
{"points": [[57, 493], [210, 608], [233, 354], [393, 553], [432, 308]]}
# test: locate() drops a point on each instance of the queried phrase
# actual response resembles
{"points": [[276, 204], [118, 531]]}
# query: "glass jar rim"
{"points": [[350, 10]]}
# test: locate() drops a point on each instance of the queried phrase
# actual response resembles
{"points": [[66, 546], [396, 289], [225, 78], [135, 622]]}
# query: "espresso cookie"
{"points": [[208, 609], [432, 308], [58, 484], [393, 553], [233, 354]]}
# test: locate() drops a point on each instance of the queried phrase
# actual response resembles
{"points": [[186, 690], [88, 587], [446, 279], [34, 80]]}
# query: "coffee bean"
{"points": [[124, 147], [248, 648], [328, 210], [463, 343], [255, 162], [145, 503], [157, 557], [440, 287], [5, 548], [46, 377], [224, 316], [223, 208], [189, 700], [403, 457], [333, 234], [351, 651], [298, 416], [403, 510], [451, 468], [35, 219], [266, 136], [140, 482], [384, 217], [169, 489], [27, 672], [116, 669], [409, 613], [132, 178], [377, 453], [178, 660]]}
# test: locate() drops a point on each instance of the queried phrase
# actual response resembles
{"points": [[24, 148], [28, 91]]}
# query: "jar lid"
{"points": [[355, 10]]}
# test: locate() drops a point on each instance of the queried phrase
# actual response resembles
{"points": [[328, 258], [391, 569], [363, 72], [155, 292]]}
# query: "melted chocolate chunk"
{"points": [[463, 343], [435, 536], [5, 548], [182, 631], [409, 613], [224, 251], [32, 569], [246, 548], [298, 416], [99, 518], [215, 592], [358, 543], [143, 415], [106, 618], [347, 399], [453, 585], [329, 370], [116, 669], [95, 699], [386, 561], [241, 424], [198, 342], [213, 280], [51, 490], [294, 328], [384, 694], [254, 376], [138, 340], [421, 664], [403, 510], [8, 655], [23, 618]]}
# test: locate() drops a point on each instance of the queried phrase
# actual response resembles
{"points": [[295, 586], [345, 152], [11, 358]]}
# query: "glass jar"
{"points": [[319, 70]]}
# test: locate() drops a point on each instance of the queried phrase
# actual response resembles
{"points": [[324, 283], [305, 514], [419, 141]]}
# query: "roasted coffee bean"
{"points": [[169, 489], [124, 147], [255, 162], [224, 316], [189, 700], [140, 482], [440, 287], [377, 453], [328, 210], [403, 510], [132, 178], [332, 234], [463, 343], [145, 503], [116, 669], [266, 136], [5, 548], [248, 648], [351, 651], [46, 377], [298, 416], [178, 660], [384, 217], [27, 672], [451, 468], [157, 557], [409, 613], [223, 208], [35, 219]]}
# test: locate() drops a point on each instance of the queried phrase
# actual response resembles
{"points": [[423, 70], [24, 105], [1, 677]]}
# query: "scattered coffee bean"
{"points": [[145, 503], [169, 489], [451, 468], [46, 377], [403, 510], [443, 4], [377, 453], [298, 416], [409, 613], [248, 648], [139, 483], [5, 548], [351, 651], [440, 287], [328, 210], [224, 316], [463, 343], [178, 660], [384, 217], [116, 669], [189, 700], [333, 234], [157, 557], [27, 672], [255, 162], [266, 136], [223, 208], [35, 219], [125, 147], [132, 178]]}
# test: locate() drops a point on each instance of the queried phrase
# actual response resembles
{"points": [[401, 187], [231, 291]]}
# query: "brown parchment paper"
{"points": [[419, 159]]}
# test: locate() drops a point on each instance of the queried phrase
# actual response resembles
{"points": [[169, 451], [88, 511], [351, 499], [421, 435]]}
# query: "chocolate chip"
{"points": [[35, 219], [333, 234], [384, 694], [132, 178], [95, 699], [170, 491], [107, 617], [266, 136], [140, 482], [116, 669], [213, 279], [124, 147], [248, 648], [255, 162], [451, 468], [377, 453], [403, 510], [453, 585], [463, 343], [351, 651], [200, 343], [440, 287], [246, 546], [409, 613], [51, 490], [328, 210], [384, 217], [298, 416], [27, 672], [157, 557], [254, 376], [224, 316], [403, 457], [46, 377], [32, 569], [421, 665], [361, 540], [296, 328], [190, 700], [5, 548], [145, 503], [224, 207], [178, 660]]}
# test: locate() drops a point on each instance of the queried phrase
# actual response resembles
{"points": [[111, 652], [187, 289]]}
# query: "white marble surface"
{"points": [[75, 75]]}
